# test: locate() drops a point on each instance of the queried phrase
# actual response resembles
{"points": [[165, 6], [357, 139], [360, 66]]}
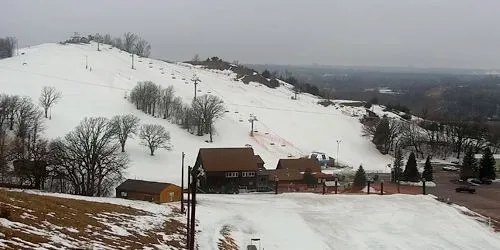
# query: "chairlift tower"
{"points": [[195, 81], [252, 119]]}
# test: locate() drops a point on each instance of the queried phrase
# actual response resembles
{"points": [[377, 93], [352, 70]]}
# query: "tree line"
{"points": [[128, 42], [198, 117], [426, 137]]}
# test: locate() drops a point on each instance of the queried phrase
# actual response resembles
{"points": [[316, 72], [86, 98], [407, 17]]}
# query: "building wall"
{"points": [[138, 196], [170, 194], [217, 181]]}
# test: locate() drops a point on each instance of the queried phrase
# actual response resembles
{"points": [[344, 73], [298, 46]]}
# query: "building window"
{"points": [[231, 174], [171, 195], [247, 174], [123, 194]]}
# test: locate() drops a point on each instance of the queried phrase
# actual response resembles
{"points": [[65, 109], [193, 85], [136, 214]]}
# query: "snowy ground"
{"points": [[309, 221], [285, 127]]}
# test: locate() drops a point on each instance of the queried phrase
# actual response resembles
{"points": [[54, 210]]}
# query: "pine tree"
{"points": [[468, 169], [398, 164], [411, 172], [359, 179], [427, 174], [487, 165]]}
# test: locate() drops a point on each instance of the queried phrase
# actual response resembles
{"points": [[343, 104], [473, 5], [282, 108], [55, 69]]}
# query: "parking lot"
{"points": [[485, 201]]}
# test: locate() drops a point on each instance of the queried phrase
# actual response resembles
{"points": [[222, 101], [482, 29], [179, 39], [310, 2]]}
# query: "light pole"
{"points": [[338, 146]]}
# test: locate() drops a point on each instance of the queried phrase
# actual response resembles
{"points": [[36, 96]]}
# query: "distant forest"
{"points": [[428, 93]]}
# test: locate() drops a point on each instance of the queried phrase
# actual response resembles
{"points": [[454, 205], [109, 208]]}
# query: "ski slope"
{"points": [[285, 127], [311, 221]]}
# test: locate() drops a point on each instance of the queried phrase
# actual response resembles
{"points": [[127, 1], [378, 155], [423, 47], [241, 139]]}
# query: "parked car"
{"points": [[465, 189]]}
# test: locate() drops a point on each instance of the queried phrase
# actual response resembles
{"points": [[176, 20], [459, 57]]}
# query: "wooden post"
{"points": [[423, 186], [188, 207], [368, 182], [336, 185], [324, 187], [182, 185], [132, 61], [382, 187], [276, 180]]}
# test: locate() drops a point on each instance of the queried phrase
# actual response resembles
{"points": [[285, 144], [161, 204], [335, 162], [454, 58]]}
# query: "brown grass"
{"points": [[56, 214]]}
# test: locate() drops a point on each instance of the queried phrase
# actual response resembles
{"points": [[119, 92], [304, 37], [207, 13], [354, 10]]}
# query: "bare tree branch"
{"points": [[48, 98], [155, 136]]}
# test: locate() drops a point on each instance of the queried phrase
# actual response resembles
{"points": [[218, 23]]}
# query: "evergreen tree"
{"points": [[411, 172], [427, 174], [468, 169], [359, 179], [487, 165], [266, 74], [382, 134], [398, 164], [309, 178]]}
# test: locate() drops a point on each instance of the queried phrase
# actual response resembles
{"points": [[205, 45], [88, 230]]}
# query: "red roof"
{"points": [[301, 164], [226, 159], [258, 159]]}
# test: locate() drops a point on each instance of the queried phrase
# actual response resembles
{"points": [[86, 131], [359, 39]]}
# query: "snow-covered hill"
{"points": [[285, 128]]}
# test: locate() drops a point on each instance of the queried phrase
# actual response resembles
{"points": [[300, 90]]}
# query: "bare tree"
{"points": [[48, 98], [166, 100], [13, 103], [7, 47], [107, 39], [155, 136], [129, 40], [413, 136], [27, 117], [142, 48], [196, 58], [124, 126], [99, 39], [117, 42], [208, 108], [88, 157], [177, 109], [145, 95]]}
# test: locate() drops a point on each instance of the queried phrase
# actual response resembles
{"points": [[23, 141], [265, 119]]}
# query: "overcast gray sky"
{"points": [[417, 33]]}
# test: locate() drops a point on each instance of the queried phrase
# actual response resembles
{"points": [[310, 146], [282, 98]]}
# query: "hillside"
{"points": [[285, 128], [56, 221]]}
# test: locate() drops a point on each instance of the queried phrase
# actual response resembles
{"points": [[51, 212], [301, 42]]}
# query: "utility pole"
{"points": [[195, 82], [252, 119], [194, 182], [182, 184], [188, 209], [338, 146], [133, 61]]}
